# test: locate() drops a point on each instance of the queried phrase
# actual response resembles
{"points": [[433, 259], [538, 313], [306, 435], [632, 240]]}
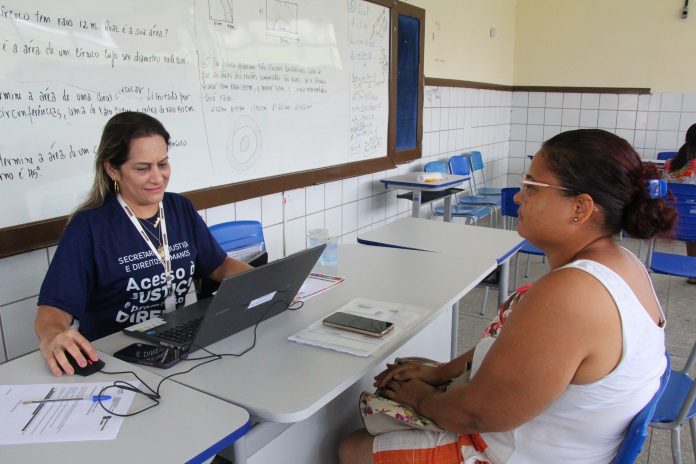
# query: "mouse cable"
{"points": [[154, 394]]}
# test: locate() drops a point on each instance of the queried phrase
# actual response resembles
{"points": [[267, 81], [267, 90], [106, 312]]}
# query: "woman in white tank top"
{"points": [[583, 350]]}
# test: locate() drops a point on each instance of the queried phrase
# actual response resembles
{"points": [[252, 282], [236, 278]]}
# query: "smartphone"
{"points": [[149, 355], [359, 324]]}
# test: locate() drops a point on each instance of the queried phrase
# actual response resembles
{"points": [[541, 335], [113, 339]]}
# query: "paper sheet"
{"points": [[60, 420], [319, 335], [315, 284]]}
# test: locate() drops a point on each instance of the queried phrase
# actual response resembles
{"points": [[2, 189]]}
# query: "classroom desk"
{"points": [[472, 243], [288, 383], [187, 426], [410, 182]]}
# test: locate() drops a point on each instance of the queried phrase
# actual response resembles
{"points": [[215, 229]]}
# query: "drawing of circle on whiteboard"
{"points": [[244, 143]]}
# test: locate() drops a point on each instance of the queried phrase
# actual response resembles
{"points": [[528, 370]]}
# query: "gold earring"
{"points": [[116, 188]]}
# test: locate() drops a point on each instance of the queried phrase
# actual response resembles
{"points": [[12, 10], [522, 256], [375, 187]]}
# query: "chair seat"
{"points": [[478, 200], [459, 210], [677, 265], [668, 407], [488, 191], [530, 249]]}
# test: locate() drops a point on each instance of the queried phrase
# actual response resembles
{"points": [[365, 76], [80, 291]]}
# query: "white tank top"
{"points": [[587, 423]]}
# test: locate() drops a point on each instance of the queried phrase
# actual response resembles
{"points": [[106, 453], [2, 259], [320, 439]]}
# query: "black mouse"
{"points": [[89, 369]]}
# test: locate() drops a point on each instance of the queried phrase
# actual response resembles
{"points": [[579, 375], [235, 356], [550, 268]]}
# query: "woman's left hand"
{"points": [[410, 392]]}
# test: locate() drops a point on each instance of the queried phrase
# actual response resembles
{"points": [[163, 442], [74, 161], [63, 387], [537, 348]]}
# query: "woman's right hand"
{"points": [[432, 375], [54, 348]]}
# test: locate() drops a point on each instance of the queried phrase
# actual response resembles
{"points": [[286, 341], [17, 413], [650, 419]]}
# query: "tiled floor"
{"points": [[677, 299]]}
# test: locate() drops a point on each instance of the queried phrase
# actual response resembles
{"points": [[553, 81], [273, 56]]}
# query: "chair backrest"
{"points": [[459, 165], [665, 155], [677, 403], [508, 207], [436, 166], [637, 430], [475, 160], [240, 239], [685, 196]]}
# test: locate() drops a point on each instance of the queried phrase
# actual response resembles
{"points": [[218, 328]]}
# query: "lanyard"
{"points": [[165, 259]]}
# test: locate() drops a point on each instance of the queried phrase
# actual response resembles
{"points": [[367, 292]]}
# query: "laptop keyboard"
{"points": [[182, 334]]}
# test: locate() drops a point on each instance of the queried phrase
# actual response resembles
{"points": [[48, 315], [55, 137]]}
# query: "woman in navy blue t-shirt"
{"points": [[129, 251]]}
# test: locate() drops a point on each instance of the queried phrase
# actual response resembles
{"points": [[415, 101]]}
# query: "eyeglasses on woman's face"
{"points": [[526, 185]]}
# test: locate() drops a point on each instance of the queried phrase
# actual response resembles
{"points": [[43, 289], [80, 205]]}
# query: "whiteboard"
{"points": [[247, 89]]}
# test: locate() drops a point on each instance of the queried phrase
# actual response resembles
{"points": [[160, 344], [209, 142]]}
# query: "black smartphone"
{"points": [[149, 355], [359, 324]]}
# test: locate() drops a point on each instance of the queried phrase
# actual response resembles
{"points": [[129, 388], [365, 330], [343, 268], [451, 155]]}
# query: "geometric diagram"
{"points": [[220, 10], [282, 19], [244, 143]]}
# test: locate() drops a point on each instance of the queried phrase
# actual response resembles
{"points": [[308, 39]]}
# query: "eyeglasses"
{"points": [[525, 182]]}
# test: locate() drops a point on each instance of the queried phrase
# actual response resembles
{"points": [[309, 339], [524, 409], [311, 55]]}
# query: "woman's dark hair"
{"points": [[114, 147], [608, 169], [687, 151]]}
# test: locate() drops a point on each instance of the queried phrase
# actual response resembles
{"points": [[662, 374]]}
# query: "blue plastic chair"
{"points": [[508, 209], [677, 405], [459, 165], [665, 155], [470, 213], [242, 240], [673, 264], [637, 430], [476, 164]]}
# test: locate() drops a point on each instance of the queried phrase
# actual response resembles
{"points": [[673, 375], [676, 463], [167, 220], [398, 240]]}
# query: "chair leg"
{"points": [[517, 266], [482, 311], [692, 427], [526, 270], [676, 446]]}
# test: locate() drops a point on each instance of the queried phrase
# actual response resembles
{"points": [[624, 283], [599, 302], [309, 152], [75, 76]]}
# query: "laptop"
{"points": [[242, 301]]}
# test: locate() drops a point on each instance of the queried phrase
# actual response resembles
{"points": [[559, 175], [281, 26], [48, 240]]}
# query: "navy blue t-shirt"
{"points": [[106, 276]]}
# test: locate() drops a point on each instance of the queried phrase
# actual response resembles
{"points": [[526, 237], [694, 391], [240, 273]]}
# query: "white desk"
{"points": [[410, 182], [471, 243], [283, 382], [187, 426]]}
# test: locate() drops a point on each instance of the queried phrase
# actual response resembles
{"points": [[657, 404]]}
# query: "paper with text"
{"points": [[402, 316], [58, 421]]}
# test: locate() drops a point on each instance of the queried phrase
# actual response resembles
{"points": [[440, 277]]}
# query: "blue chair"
{"points": [[673, 264], [508, 209], [242, 240], [665, 155], [470, 213], [476, 164], [459, 165], [677, 405], [637, 430]]}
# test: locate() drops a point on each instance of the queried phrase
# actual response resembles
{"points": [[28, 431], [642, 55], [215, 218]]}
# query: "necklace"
{"points": [[158, 237]]}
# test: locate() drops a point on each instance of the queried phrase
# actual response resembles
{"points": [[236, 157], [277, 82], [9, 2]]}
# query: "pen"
{"points": [[93, 398]]}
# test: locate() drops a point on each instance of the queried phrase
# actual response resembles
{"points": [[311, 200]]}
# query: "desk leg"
{"points": [[455, 330], [239, 451], [447, 215], [416, 204], [503, 289]]}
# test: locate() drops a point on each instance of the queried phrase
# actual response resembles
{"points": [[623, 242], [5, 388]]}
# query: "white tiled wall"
{"points": [[652, 123]]}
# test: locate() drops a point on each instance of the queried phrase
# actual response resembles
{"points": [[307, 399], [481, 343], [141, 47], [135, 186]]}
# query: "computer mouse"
{"points": [[89, 369]]}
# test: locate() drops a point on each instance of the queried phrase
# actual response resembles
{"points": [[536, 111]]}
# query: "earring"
{"points": [[575, 220], [116, 188]]}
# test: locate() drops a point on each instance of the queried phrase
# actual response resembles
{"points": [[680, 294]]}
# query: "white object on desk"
{"points": [[315, 284], [321, 336], [57, 421]]}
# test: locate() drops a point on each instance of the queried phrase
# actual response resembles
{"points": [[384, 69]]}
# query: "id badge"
{"points": [[169, 304]]}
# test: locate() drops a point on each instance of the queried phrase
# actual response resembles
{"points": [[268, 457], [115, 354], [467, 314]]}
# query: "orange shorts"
{"points": [[422, 447]]}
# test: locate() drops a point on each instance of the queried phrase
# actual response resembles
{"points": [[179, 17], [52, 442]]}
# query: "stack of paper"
{"points": [[402, 316], [315, 284]]}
